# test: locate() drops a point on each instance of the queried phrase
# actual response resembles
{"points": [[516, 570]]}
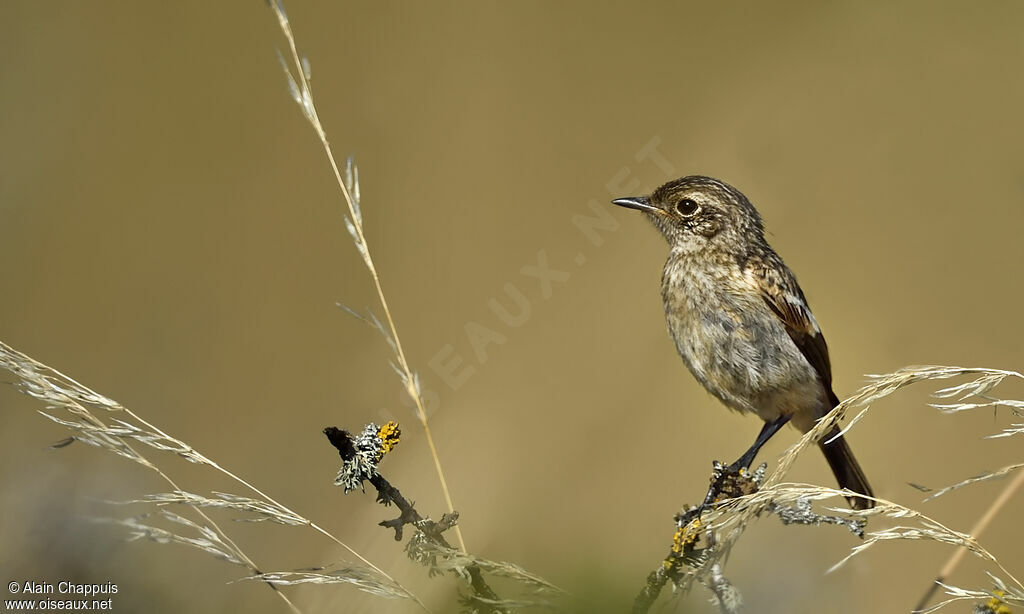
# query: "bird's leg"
{"points": [[769, 429], [725, 475]]}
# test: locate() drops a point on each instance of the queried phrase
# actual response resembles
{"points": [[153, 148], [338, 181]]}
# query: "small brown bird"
{"points": [[739, 319]]}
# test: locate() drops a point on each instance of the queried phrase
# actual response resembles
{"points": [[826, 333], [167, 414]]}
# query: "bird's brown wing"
{"points": [[783, 295]]}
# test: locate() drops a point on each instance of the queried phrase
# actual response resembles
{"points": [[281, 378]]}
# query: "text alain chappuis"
{"points": [[62, 595]]}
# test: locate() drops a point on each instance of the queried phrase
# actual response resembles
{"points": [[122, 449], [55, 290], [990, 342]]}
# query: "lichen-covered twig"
{"points": [[355, 452], [360, 455]]}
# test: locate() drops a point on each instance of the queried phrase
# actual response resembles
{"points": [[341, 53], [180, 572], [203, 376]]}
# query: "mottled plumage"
{"points": [[738, 317]]}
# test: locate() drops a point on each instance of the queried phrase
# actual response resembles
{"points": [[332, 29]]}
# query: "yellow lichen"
{"points": [[996, 605], [686, 536], [389, 435]]}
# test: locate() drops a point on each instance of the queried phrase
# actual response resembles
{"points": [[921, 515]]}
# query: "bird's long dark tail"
{"points": [[847, 470]]}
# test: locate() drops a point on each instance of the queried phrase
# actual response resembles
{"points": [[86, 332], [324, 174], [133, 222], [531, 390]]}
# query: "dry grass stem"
{"points": [[264, 511], [298, 74], [984, 477], [726, 522], [208, 539], [979, 527], [60, 392], [1002, 594], [356, 576]]}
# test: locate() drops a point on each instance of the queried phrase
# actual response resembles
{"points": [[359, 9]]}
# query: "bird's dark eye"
{"points": [[686, 207]]}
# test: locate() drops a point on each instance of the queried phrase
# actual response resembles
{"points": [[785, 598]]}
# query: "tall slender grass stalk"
{"points": [[299, 83]]}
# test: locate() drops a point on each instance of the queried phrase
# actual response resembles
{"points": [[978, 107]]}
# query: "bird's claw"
{"points": [[732, 481]]}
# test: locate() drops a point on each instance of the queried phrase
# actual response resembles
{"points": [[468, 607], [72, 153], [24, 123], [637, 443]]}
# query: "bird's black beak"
{"points": [[639, 203]]}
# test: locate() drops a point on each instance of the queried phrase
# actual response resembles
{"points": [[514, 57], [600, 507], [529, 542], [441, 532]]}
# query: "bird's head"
{"points": [[696, 213]]}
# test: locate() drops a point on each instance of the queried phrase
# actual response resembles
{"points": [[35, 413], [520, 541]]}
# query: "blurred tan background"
{"points": [[171, 236]]}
